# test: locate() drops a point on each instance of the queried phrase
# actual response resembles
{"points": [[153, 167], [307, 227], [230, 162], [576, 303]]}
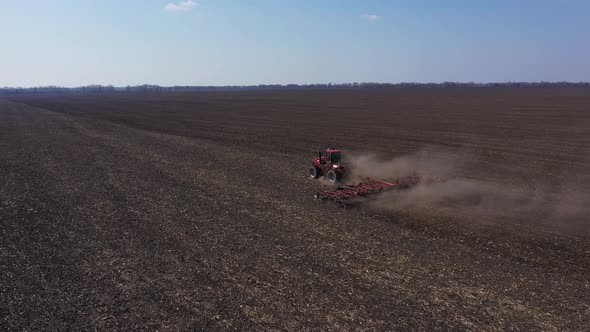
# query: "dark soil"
{"points": [[192, 211]]}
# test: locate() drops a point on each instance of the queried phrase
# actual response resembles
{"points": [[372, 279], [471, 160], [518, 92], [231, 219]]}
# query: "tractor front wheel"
{"points": [[334, 176], [314, 172]]}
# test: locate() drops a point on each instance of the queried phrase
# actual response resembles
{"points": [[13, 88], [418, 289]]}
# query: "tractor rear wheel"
{"points": [[314, 172], [334, 176]]}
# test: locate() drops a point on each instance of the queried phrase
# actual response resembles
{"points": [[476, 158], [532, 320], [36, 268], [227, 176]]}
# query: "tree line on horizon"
{"points": [[367, 85]]}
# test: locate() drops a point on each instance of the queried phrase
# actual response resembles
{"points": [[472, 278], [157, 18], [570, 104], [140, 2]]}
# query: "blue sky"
{"points": [[219, 42]]}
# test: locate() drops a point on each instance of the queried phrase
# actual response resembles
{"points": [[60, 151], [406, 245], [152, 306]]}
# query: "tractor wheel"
{"points": [[334, 176], [314, 172]]}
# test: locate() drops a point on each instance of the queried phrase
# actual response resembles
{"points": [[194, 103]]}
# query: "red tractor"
{"points": [[328, 164]]}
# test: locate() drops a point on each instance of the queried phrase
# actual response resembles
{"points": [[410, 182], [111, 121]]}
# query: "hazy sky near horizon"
{"points": [[223, 42]]}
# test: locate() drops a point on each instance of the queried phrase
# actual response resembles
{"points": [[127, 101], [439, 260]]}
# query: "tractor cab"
{"points": [[330, 156], [328, 164]]}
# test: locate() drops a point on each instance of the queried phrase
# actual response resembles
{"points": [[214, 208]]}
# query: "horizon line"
{"points": [[286, 85]]}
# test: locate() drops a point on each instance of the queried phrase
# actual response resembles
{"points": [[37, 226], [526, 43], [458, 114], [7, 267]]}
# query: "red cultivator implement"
{"points": [[349, 195], [329, 164]]}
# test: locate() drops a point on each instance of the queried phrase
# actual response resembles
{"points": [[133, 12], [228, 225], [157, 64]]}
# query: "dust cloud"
{"points": [[459, 196]]}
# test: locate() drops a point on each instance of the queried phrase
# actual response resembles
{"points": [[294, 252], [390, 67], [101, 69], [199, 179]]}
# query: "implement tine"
{"points": [[356, 193]]}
